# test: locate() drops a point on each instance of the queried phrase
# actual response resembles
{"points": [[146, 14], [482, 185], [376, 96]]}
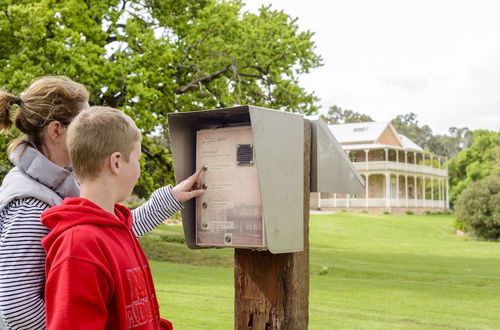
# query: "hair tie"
{"points": [[18, 101]]}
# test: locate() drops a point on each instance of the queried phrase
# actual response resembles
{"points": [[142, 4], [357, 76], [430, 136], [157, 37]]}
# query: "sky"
{"points": [[439, 59]]}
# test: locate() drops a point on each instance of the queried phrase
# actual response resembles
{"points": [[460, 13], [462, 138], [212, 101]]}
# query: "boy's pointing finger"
{"points": [[194, 178]]}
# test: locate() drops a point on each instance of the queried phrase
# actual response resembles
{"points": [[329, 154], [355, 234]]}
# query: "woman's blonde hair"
{"points": [[47, 99]]}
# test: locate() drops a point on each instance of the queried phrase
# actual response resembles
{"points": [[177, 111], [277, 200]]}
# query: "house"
{"points": [[399, 175]]}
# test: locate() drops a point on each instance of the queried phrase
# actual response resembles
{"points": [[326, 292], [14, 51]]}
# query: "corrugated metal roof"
{"points": [[364, 135], [409, 144], [358, 132]]}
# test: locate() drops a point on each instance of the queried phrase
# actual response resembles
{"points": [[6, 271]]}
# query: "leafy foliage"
{"points": [[442, 145], [474, 163], [478, 208], [150, 58], [337, 115], [407, 125], [450, 145]]}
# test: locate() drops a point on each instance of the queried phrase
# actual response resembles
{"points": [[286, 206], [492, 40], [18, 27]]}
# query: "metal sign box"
{"points": [[277, 140], [331, 169]]}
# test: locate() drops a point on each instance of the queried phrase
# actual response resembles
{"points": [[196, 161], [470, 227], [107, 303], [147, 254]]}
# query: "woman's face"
{"points": [[60, 153]]}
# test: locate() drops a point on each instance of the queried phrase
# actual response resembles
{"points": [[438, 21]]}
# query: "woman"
{"points": [[42, 178]]}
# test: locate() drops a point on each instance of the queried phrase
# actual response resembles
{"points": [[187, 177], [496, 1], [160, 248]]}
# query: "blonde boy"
{"points": [[97, 274]]}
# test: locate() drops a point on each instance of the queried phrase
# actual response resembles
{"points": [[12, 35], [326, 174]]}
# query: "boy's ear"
{"points": [[115, 162]]}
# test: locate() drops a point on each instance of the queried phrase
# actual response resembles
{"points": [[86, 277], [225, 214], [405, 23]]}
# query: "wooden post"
{"points": [[272, 290]]}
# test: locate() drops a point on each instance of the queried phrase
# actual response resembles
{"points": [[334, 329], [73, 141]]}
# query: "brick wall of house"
{"points": [[388, 137], [357, 155], [375, 187], [376, 155]]}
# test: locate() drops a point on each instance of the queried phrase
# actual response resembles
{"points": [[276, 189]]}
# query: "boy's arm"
{"points": [[22, 266], [164, 203], [76, 294], [161, 206]]}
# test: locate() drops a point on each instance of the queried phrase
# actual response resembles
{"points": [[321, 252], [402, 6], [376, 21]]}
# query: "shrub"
{"points": [[387, 212], [478, 208], [409, 212], [459, 225]]}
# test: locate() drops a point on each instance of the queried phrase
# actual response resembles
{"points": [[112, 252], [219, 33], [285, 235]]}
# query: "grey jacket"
{"points": [[36, 176]]}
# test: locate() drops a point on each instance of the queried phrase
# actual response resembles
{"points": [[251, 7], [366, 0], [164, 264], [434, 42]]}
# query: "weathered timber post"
{"points": [[272, 290]]}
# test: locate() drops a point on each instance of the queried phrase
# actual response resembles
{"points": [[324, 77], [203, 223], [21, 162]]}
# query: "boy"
{"points": [[97, 274]]}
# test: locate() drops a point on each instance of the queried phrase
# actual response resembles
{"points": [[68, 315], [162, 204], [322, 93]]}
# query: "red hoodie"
{"points": [[97, 274]]}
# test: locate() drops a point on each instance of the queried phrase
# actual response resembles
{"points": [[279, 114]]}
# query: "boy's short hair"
{"points": [[95, 134]]}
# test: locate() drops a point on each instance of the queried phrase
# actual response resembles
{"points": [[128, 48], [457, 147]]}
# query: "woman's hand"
{"points": [[189, 188]]}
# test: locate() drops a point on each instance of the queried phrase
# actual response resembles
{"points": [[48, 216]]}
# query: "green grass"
{"points": [[367, 272]]}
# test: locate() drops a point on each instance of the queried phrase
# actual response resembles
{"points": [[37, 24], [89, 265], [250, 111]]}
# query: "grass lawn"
{"points": [[367, 271]]}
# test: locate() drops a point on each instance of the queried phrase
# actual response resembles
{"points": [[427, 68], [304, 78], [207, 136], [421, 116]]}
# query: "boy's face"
{"points": [[130, 171]]}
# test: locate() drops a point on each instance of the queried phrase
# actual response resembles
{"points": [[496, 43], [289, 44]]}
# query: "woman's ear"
{"points": [[55, 130], [115, 162]]}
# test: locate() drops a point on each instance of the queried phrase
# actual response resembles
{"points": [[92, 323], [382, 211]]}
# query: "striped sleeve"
{"points": [[161, 206], [22, 264]]}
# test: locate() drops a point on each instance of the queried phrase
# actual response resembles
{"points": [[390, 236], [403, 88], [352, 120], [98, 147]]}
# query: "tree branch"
{"points": [[203, 80], [193, 46]]}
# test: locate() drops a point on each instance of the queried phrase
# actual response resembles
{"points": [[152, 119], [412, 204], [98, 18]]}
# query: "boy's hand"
{"points": [[189, 188]]}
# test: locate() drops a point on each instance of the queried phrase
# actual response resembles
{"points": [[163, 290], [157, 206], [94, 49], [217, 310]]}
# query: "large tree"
{"points": [[442, 145], [478, 161], [150, 58], [337, 115], [408, 125]]}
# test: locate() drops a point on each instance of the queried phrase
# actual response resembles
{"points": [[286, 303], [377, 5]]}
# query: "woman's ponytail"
{"points": [[7, 100]]}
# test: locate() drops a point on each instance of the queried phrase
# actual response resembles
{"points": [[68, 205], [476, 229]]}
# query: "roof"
{"points": [[365, 136], [409, 144], [358, 132]]}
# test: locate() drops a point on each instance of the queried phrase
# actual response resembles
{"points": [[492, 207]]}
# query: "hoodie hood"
{"points": [[80, 211]]}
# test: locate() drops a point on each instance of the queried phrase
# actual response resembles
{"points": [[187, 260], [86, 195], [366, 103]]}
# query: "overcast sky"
{"points": [[439, 59]]}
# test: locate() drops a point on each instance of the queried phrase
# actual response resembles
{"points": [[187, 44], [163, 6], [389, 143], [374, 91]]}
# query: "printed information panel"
{"points": [[229, 213]]}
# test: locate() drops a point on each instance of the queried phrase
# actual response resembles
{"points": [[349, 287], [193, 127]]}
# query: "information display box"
{"points": [[229, 213], [254, 181]]}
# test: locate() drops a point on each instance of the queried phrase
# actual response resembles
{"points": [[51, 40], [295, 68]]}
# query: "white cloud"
{"points": [[439, 59]]}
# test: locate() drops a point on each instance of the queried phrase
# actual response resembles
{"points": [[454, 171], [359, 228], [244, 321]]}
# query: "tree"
{"points": [[337, 115], [478, 208], [441, 145], [407, 125], [478, 161], [150, 58], [450, 145]]}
